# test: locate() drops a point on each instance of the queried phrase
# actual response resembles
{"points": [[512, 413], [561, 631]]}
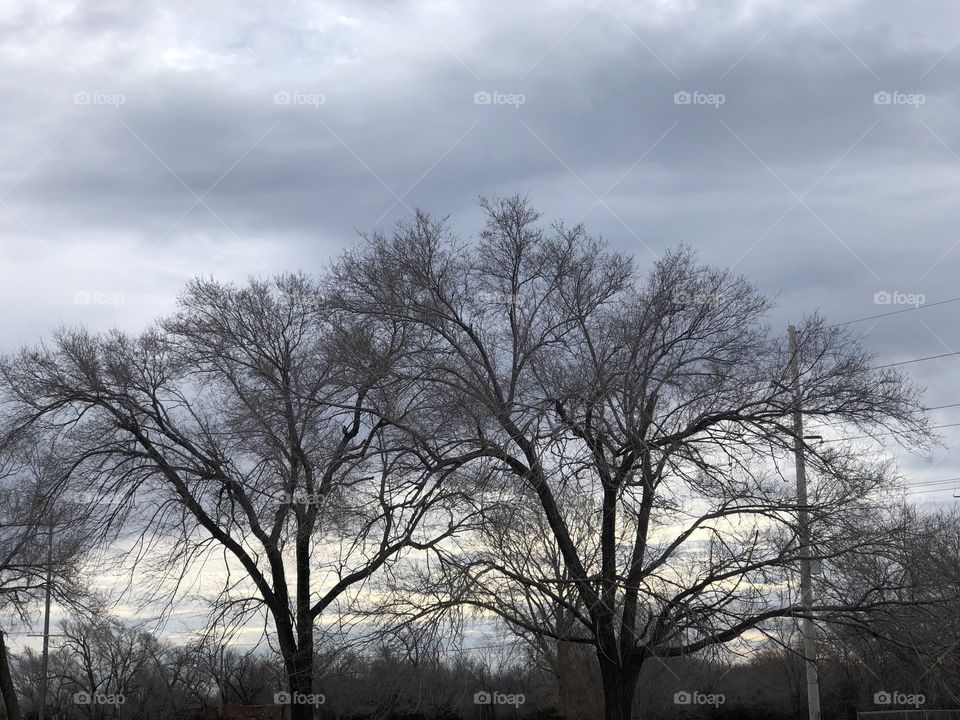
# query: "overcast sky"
{"points": [[811, 145]]}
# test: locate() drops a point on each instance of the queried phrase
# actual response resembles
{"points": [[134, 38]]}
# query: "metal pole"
{"points": [[46, 628], [806, 583]]}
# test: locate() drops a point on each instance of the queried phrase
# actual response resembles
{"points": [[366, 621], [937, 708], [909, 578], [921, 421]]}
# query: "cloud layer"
{"points": [[811, 145]]}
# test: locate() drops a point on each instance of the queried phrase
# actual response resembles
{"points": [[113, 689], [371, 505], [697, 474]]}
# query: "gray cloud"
{"points": [[100, 190]]}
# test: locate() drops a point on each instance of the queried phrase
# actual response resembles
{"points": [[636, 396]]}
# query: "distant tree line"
{"points": [[439, 679]]}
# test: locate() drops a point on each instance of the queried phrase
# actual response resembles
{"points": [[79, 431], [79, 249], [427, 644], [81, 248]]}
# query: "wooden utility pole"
{"points": [[44, 660], [806, 583]]}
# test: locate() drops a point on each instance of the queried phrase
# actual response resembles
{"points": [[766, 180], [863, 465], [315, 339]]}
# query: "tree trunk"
{"points": [[619, 688], [7, 691], [564, 679], [298, 667], [301, 685]]}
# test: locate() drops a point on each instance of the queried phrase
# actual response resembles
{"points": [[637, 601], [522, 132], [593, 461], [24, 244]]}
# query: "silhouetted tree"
{"points": [[664, 402], [239, 429]]}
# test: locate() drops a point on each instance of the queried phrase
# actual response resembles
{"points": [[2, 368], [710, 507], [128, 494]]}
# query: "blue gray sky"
{"points": [[812, 145]]}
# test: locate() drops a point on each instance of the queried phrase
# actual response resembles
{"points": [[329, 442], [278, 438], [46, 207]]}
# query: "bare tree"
{"points": [[515, 542], [103, 657], [44, 538], [238, 430], [665, 402], [911, 645]]}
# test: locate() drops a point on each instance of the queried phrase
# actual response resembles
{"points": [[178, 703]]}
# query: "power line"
{"points": [[918, 410], [927, 491], [939, 407], [895, 312], [934, 482], [907, 362], [865, 437], [933, 486]]}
